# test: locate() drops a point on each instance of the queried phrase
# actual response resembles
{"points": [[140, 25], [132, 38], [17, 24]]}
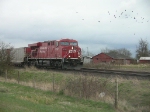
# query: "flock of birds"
{"points": [[127, 14]]}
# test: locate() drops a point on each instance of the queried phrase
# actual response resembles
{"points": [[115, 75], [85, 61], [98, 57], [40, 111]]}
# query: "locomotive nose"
{"points": [[73, 52]]}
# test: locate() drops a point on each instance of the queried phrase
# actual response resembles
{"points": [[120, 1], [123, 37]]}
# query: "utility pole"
{"points": [[116, 93], [87, 51]]}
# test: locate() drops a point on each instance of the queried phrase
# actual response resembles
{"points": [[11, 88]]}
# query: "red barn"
{"points": [[144, 60], [111, 58]]}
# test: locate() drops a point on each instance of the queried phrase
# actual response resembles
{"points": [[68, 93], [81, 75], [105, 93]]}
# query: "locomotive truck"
{"points": [[63, 53]]}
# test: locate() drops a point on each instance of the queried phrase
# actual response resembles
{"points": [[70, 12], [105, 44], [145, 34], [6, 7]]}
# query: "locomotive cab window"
{"points": [[73, 43], [64, 43]]}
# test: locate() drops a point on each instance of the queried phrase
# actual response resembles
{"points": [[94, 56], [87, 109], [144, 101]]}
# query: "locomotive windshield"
{"points": [[67, 43], [74, 43], [64, 43]]}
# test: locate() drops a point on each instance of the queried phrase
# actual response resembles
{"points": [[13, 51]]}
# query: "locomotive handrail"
{"points": [[66, 55]]}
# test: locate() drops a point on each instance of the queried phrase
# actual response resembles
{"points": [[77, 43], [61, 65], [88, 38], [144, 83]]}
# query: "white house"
{"points": [[87, 59]]}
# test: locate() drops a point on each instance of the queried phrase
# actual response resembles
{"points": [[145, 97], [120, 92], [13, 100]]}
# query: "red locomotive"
{"points": [[63, 53]]}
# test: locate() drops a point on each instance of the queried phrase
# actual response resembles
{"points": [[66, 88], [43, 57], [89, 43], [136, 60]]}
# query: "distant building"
{"points": [[144, 60], [87, 59], [111, 58]]}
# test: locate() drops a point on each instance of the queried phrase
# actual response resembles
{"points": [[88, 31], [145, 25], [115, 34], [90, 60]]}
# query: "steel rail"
{"points": [[118, 72], [103, 71]]}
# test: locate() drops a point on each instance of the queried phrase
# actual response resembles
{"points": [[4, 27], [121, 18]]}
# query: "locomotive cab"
{"points": [[71, 53]]}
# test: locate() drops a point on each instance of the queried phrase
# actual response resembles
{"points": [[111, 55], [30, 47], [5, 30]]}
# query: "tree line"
{"points": [[5, 57], [142, 50]]}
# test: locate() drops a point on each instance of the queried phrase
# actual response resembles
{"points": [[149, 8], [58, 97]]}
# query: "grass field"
{"points": [[133, 93], [18, 98]]}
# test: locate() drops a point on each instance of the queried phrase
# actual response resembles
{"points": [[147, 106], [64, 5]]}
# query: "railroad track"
{"points": [[116, 72], [110, 72], [105, 71]]}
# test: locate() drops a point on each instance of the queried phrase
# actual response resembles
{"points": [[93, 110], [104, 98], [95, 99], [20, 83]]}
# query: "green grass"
{"points": [[38, 75], [134, 94], [17, 98]]}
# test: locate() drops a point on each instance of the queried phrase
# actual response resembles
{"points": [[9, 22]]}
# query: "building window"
{"points": [[97, 58]]}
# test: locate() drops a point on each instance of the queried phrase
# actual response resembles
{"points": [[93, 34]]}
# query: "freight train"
{"points": [[63, 53]]}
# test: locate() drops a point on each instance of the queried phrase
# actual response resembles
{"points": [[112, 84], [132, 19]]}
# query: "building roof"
{"points": [[116, 56], [144, 58]]}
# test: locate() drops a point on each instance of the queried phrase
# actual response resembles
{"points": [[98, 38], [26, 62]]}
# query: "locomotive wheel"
{"points": [[58, 64]]}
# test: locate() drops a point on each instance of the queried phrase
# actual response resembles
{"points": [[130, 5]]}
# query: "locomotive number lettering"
{"points": [[42, 51], [57, 49], [43, 47], [72, 51]]}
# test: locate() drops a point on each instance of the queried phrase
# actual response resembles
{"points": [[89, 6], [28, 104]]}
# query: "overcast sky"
{"points": [[96, 24]]}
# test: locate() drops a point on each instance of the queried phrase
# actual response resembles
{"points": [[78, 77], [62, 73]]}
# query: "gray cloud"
{"points": [[95, 24]]}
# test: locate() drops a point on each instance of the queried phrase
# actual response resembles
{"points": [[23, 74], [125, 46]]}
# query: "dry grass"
{"points": [[128, 67]]}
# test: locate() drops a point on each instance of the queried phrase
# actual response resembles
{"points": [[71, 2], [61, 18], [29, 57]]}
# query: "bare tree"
{"points": [[142, 49], [83, 52], [106, 50], [87, 53], [122, 51], [5, 56]]}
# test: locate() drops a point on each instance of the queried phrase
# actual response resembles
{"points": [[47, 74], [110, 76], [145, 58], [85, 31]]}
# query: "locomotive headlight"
{"points": [[69, 56], [72, 47]]}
